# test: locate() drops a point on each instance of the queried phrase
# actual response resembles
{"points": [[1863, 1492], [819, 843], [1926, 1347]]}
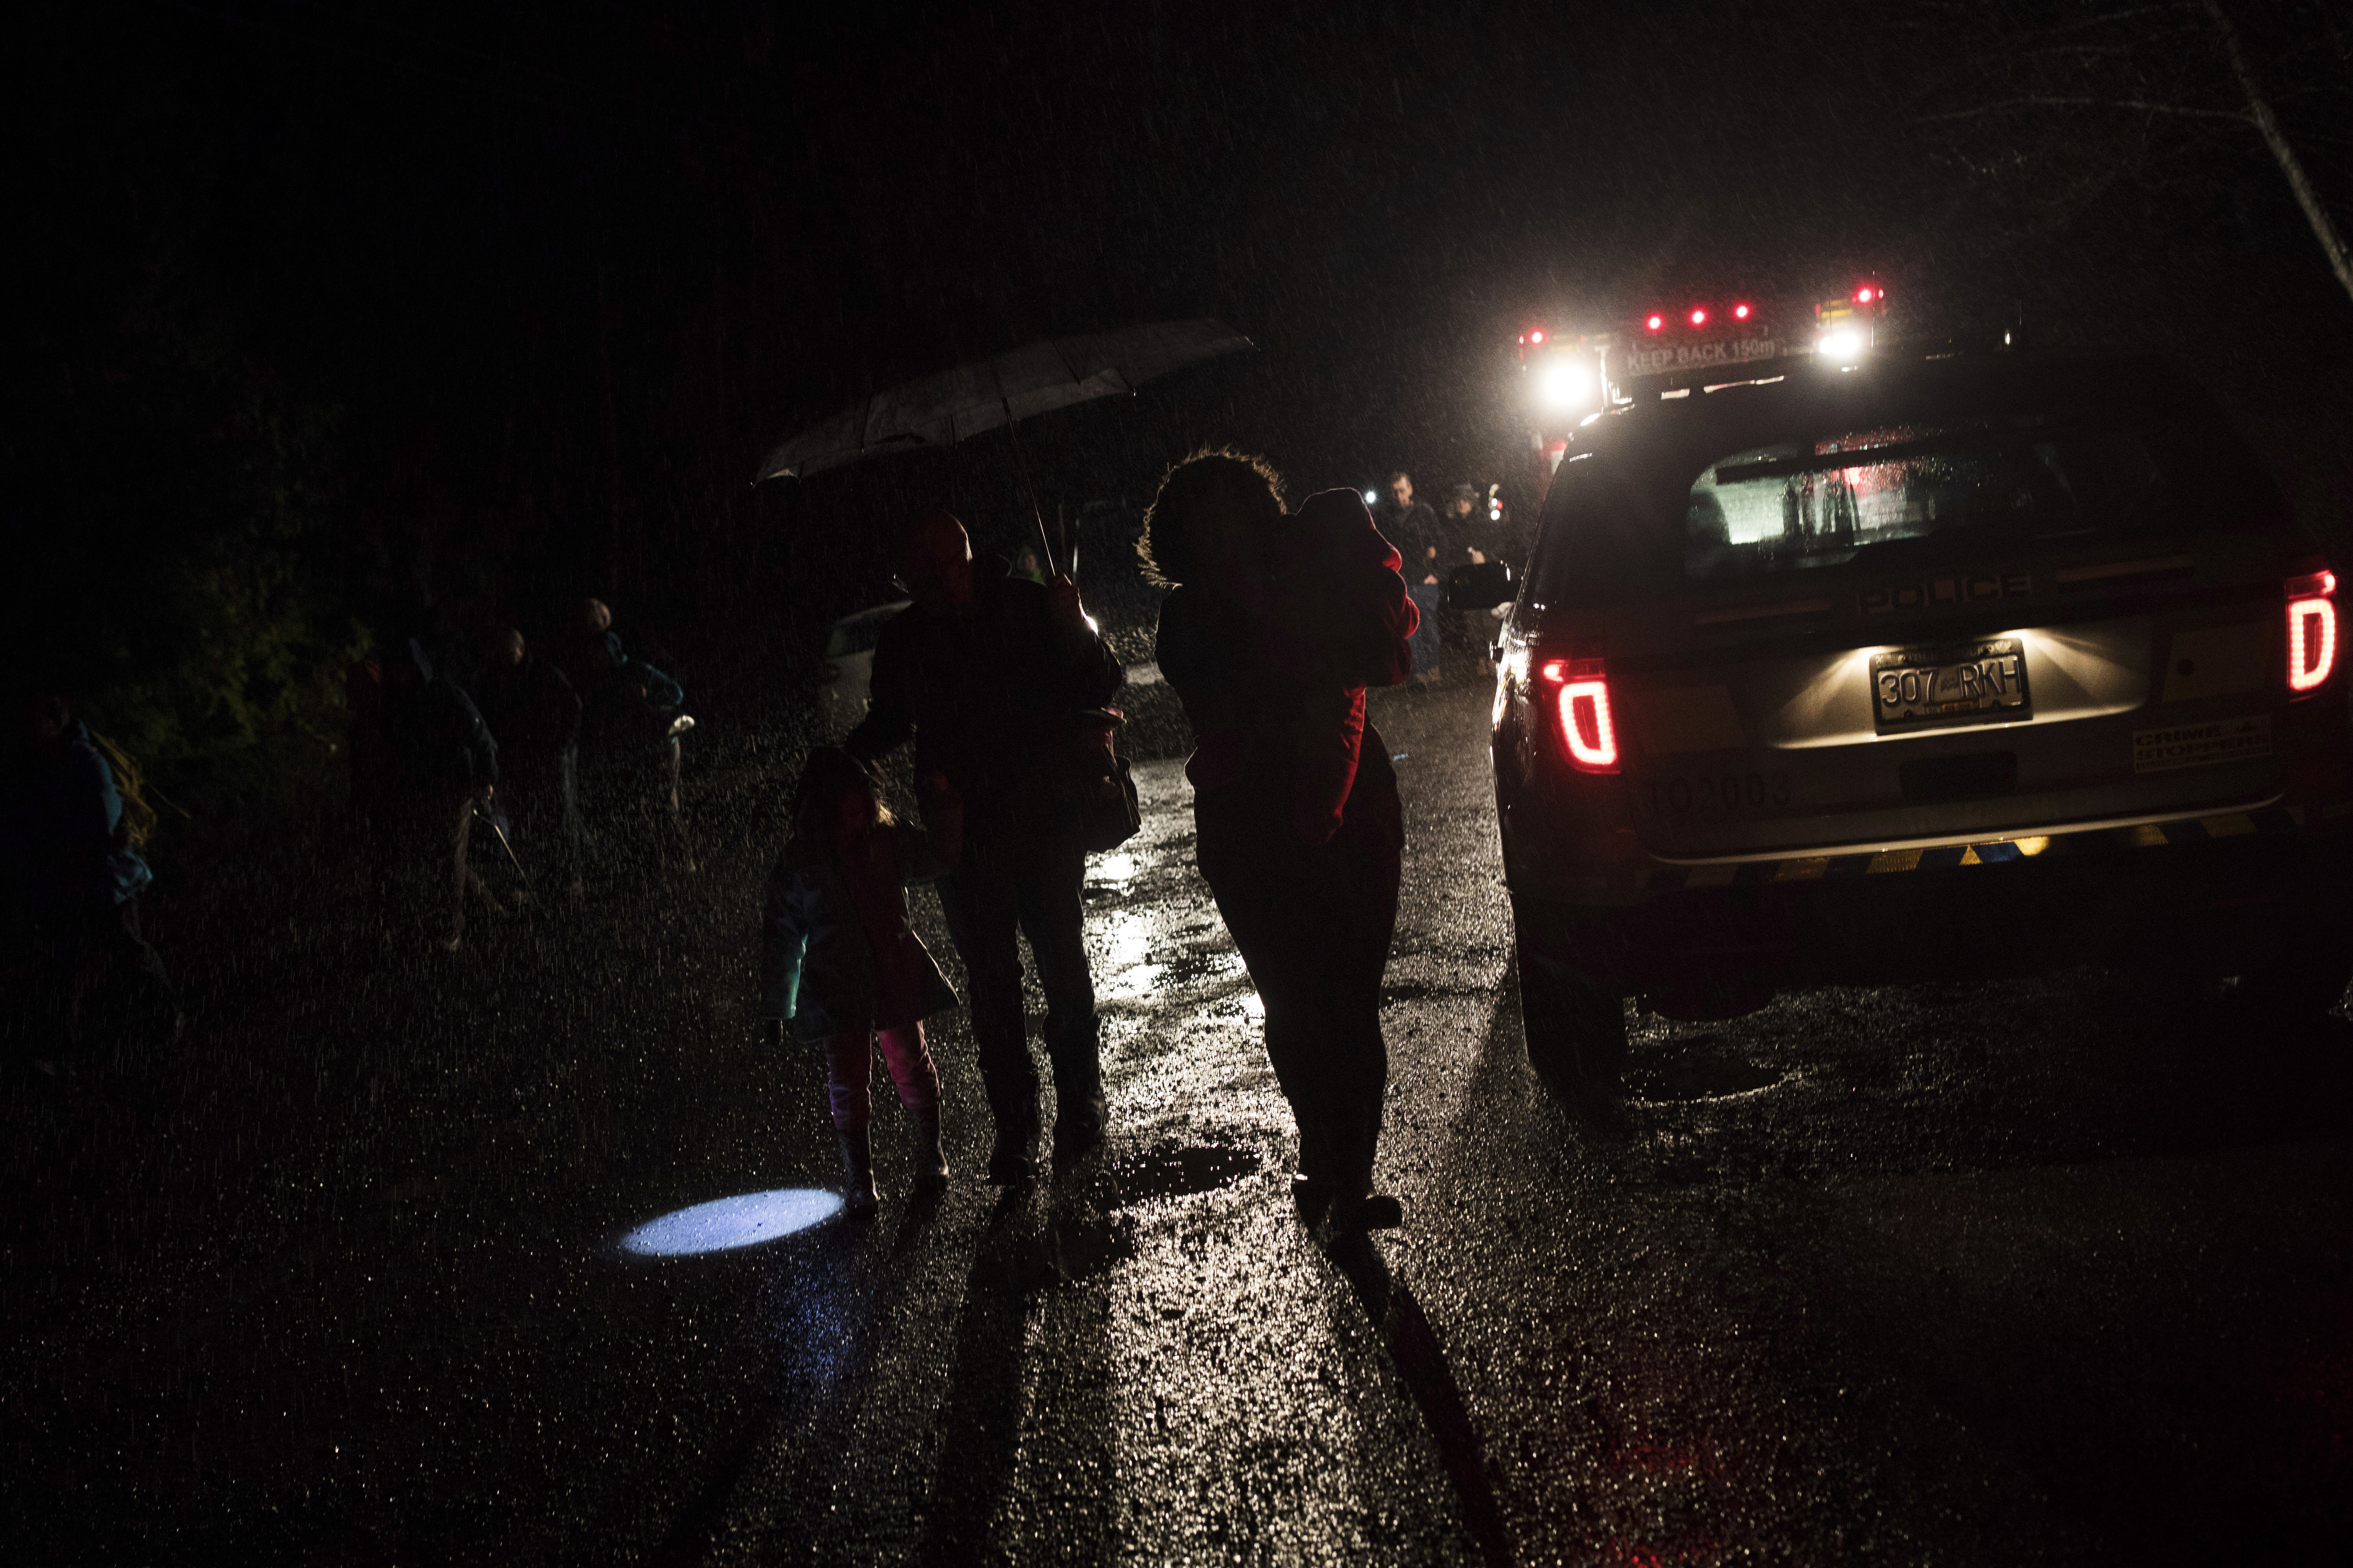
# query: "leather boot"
{"points": [[1013, 1158], [1356, 1131], [930, 1160], [1311, 1186], [858, 1171], [1078, 1125]]}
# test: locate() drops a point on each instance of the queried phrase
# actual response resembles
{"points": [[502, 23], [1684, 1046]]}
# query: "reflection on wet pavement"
{"points": [[1170, 1171]]}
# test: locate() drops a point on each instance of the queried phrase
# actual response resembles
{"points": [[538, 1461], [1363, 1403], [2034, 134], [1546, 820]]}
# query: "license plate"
{"points": [[1981, 682]]}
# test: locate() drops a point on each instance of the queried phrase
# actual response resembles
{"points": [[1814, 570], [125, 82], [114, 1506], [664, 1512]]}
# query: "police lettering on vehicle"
{"points": [[1967, 588]]}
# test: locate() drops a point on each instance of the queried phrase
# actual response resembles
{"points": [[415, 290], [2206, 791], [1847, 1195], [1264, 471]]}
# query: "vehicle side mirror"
{"points": [[1480, 588]]}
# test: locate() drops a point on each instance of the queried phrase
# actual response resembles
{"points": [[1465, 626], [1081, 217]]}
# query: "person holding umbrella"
{"points": [[987, 677]]}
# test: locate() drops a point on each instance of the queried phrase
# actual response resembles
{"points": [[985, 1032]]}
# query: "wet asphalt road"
{"points": [[2054, 1271]]}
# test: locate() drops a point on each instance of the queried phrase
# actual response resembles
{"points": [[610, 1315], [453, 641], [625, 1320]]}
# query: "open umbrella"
{"points": [[1036, 378]]}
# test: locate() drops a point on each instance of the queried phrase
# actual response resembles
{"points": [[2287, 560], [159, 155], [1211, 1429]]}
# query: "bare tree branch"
{"points": [[2141, 106], [2324, 228]]}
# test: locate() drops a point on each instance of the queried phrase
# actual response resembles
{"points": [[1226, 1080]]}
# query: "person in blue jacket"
{"points": [[73, 876]]}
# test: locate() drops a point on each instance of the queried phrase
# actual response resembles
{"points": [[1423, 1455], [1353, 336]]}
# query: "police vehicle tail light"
{"points": [[1579, 690], [2310, 630]]}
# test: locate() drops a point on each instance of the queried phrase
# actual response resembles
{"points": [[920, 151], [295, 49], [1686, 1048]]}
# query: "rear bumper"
{"points": [[2211, 895]]}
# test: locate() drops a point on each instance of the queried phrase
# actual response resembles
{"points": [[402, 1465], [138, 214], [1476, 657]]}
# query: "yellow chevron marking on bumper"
{"points": [[1802, 870], [1893, 860], [2148, 835], [2228, 825], [1969, 856]]}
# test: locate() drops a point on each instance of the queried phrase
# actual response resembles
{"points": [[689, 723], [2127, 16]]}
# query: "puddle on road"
{"points": [[1175, 1171], [1697, 1070], [1190, 967]]}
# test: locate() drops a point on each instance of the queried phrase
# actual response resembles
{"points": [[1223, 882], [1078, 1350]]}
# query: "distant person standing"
{"points": [[1420, 542], [629, 756], [447, 771], [69, 852], [534, 715], [988, 675]]}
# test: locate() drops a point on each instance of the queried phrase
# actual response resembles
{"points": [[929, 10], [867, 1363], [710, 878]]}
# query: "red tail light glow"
{"points": [[1740, 312], [1581, 697], [1698, 316], [1654, 321], [1535, 337], [2311, 631], [1865, 295]]}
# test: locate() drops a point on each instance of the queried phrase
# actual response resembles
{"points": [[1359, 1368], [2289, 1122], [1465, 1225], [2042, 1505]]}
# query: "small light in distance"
{"points": [[1698, 316], [1371, 496], [1655, 322], [1865, 295], [1740, 312], [724, 1224], [1535, 337], [1567, 386]]}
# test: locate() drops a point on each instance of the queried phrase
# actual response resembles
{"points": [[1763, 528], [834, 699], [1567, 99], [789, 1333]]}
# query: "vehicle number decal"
{"points": [[2201, 745], [1714, 794]]}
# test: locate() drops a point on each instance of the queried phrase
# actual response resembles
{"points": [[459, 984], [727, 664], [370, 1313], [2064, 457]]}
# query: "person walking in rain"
{"points": [[986, 675], [72, 866], [1277, 623], [534, 715], [1414, 529], [840, 965]]}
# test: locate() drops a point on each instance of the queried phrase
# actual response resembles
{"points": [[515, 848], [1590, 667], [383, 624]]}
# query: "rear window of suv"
{"points": [[1815, 478]]}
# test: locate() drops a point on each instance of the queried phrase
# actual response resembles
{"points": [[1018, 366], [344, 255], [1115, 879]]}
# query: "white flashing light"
{"points": [[1567, 385], [1843, 347]]}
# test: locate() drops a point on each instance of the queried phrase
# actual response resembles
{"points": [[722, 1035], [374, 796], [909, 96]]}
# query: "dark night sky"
{"points": [[553, 277]]}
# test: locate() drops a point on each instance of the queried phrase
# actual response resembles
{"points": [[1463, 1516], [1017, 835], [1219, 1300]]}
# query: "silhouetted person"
{"points": [[840, 965], [630, 758], [73, 874], [986, 675], [534, 715], [446, 772], [1277, 625], [1425, 560]]}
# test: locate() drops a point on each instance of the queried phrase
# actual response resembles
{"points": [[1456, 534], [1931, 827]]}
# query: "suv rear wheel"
{"points": [[1576, 1025]]}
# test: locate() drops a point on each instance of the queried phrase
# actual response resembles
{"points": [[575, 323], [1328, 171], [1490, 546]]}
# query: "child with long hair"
{"points": [[840, 965]]}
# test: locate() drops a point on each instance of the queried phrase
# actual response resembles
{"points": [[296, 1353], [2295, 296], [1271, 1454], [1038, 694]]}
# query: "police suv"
{"points": [[1844, 660]]}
